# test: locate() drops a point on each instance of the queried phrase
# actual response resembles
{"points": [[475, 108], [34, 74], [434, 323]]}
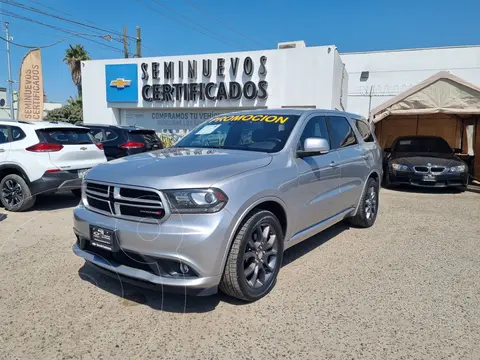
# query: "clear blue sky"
{"points": [[351, 25]]}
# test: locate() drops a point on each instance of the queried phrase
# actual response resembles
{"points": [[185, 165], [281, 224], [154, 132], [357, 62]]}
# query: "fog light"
{"points": [[184, 269]]}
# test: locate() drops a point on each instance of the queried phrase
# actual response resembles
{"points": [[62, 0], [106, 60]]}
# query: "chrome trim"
{"points": [[105, 196], [116, 195], [429, 169], [115, 205]]}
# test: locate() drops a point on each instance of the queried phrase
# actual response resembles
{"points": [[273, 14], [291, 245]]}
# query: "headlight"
{"points": [[459, 168], [194, 201], [400, 167]]}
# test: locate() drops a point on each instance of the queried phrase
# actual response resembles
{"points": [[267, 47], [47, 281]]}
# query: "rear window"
{"points": [[67, 136], [145, 136]]}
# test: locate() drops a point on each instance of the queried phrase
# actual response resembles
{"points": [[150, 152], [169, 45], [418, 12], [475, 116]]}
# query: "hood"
{"points": [[178, 168], [422, 159]]}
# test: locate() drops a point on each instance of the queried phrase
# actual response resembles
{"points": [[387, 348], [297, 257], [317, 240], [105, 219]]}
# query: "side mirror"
{"points": [[387, 150], [314, 146]]}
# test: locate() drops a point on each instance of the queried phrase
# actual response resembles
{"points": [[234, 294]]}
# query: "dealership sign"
{"points": [[195, 80]]}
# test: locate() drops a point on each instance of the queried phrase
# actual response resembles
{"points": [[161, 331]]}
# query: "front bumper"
{"points": [[417, 179], [198, 241], [67, 180]]}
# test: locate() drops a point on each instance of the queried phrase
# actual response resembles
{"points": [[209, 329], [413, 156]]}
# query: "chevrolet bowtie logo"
{"points": [[120, 83]]}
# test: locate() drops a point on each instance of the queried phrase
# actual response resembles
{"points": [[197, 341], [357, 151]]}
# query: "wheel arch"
{"points": [[375, 174], [8, 169], [271, 203]]}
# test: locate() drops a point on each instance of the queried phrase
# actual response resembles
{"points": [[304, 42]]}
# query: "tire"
{"points": [[368, 207], [462, 188], [77, 193], [15, 194], [253, 248]]}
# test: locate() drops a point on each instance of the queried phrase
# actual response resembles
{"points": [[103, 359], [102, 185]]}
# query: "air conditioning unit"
{"points": [[3, 97], [292, 45]]}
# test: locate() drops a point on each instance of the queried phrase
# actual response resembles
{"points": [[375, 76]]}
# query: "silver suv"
{"points": [[221, 207]]}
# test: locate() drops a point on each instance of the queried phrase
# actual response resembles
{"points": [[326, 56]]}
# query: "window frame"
{"points": [[329, 125], [10, 133], [370, 133], [310, 118]]}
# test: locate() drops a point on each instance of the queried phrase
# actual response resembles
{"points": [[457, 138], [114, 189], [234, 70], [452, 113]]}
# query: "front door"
{"points": [[318, 178]]}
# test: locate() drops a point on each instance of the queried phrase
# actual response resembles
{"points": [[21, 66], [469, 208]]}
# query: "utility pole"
{"points": [[125, 43], [139, 43], [10, 81]]}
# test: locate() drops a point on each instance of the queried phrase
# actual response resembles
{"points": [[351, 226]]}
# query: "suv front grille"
{"points": [[125, 202]]}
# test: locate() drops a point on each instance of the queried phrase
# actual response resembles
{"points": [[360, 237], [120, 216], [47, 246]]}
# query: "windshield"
{"points": [[420, 145], [251, 132]]}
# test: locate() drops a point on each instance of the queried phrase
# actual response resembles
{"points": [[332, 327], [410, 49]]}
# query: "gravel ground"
{"points": [[408, 288]]}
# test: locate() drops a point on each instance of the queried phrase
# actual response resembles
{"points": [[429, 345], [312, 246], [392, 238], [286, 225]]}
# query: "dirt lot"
{"points": [[407, 288]]}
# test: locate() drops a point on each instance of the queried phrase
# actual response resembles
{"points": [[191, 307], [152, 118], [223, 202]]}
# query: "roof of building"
{"points": [[411, 49]]}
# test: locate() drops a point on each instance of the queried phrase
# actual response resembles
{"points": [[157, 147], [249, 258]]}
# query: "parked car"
{"points": [[42, 157], [119, 141], [426, 161], [198, 217]]}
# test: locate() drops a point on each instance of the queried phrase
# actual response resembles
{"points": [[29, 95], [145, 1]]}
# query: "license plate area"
{"points": [[103, 238], [429, 177]]}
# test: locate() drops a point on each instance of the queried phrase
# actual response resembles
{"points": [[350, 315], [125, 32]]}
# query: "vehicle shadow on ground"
{"points": [[131, 295], [425, 190], [3, 217], [57, 201]]}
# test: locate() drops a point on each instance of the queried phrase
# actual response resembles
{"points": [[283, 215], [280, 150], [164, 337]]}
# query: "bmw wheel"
{"points": [[255, 258]]}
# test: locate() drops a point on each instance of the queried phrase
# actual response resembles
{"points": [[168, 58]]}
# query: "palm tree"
{"points": [[73, 57]]}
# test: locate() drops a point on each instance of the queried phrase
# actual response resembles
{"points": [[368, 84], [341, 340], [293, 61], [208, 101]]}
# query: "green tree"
{"points": [[72, 112], [74, 55]]}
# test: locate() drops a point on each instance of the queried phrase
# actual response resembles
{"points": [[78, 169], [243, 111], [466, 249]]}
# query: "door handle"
{"points": [[333, 164], [365, 156], [2, 150]]}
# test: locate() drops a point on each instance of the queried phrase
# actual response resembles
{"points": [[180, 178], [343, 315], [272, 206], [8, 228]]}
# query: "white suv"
{"points": [[42, 157]]}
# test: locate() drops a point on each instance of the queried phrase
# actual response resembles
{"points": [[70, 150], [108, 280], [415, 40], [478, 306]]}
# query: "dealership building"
{"points": [[174, 94], [177, 92]]}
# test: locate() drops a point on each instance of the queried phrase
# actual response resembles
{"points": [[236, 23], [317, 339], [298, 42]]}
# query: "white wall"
{"points": [[393, 72], [296, 77]]}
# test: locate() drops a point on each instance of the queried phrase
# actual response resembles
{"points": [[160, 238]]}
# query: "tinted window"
{"points": [[67, 136], [97, 134], [251, 132], [17, 134], [364, 130], [419, 145], [110, 135], [341, 133], [315, 128], [3, 134]]}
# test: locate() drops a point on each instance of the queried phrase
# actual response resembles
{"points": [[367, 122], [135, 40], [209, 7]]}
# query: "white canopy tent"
{"points": [[443, 105], [441, 93]]}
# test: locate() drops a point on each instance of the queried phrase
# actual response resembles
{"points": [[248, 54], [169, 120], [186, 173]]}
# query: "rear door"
{"points": [[79, 150], [351, 162], [4, 143]]}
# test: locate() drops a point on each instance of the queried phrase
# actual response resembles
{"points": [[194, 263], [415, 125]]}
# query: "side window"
{"points": [[364, 130], [341, 133], [97, 134], [17, 134], [316, 128], [3, 134], [110, 135]]}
